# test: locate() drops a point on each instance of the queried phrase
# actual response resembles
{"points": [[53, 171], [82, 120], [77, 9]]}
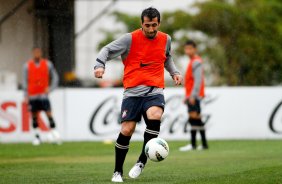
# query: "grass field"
{"points": [[92, 162]]}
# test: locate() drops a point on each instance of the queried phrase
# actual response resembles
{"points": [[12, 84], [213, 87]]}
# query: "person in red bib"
{"points": [[194, 93], [37, 74], [145, 53]]}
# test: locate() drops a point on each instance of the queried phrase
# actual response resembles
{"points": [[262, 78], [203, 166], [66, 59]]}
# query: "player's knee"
{"points": [[155, 113], [127, 130]]}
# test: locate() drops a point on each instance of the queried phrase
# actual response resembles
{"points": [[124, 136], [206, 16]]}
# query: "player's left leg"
{"points": [[200, 125], [54, 135], [153, 111], [196, 123], [153, 123]]}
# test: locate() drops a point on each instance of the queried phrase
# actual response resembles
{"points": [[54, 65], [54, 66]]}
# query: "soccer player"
{"points": [[145, 53], [36, 84], [195, 91]]}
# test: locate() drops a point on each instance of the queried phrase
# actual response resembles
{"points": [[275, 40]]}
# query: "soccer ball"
{"points": [[157, 149]]}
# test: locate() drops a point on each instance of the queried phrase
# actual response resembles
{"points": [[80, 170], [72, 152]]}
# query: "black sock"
{"points": [[193, 122], [52, 122], [121, 148], [34, 122], [152, 131], [204, 140], [35, 126], [193, 138]]}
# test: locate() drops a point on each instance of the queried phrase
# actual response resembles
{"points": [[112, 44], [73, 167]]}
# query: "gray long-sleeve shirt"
{"points": [[197, 69], [121, 47], [53, 75]]}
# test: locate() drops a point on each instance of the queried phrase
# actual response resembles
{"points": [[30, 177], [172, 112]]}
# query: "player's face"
{"points": [[150, 27], [190, 50], [37, 53]]}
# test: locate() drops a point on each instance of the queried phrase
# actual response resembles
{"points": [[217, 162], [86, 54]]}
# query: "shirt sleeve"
{"points": [[119, 47], [24, 81], [169, 63], [54, 76], [198, 77]]}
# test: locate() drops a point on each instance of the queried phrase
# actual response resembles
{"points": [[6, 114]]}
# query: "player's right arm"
{"points": [[24, 82], [119, 47]]}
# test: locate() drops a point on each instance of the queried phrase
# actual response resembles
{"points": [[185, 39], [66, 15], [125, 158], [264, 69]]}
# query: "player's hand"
{"points": [[47, 90], [177, 79], [26, 99], [192, 100], [99, 72]]}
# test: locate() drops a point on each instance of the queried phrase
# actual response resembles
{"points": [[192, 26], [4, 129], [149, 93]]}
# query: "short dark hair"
{"points": [[151, 13], [191, 42]]}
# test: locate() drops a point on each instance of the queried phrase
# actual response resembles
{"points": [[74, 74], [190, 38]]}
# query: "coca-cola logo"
{"points": [[275, 120], [105, 119]]}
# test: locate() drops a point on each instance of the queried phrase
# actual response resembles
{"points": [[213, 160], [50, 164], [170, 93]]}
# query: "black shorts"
{"points": [[39, 104], [133, 108], [195, 107]]}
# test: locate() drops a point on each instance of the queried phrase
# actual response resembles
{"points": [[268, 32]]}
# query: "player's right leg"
{"points": [[195, 121], [121, 148], [34, 107], [37, 140], [130, 114]]}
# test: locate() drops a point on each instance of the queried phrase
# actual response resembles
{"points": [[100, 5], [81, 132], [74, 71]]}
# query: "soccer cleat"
{"points": [[54, 137], [136, 170], [117, 177], [188, 147], [36, 142]]}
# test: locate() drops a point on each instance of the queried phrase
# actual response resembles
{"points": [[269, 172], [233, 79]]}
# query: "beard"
{"points": [[151, 35]]}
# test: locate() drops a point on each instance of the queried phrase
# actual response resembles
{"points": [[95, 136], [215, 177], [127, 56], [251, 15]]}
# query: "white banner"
{"points": [[93, 114], [15, 119]]}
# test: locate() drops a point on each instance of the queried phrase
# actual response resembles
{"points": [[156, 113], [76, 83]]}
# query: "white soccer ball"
{"points": [[157, 149]]}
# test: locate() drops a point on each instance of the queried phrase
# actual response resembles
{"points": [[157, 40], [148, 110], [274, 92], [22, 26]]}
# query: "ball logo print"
{"points": [[163, 144], [157, 149]]}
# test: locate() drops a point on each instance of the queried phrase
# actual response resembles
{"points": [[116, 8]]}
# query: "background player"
{"points": [[36, 78], [195, 91], [145, 53]]}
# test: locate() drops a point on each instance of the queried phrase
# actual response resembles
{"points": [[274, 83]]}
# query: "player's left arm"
{"points": [[198, 77], [54, 77], [169, 64]]}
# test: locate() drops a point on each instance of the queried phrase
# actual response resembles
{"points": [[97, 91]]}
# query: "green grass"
{"points": [[92, 162]]}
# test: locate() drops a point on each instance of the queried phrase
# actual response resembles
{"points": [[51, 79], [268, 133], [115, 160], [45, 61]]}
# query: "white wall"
{"points": [[16, 37], [93, 114]]}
